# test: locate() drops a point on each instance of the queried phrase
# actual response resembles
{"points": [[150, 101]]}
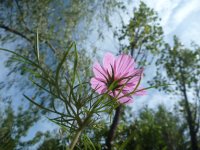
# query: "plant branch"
{"points": [[75, 139]]}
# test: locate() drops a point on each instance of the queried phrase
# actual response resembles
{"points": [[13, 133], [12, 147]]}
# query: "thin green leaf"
{"points": [[37, 47], [62, 62], [88, 144], [38, 105], [61, 125], [156, 86], [40, 86], [75, 64]]}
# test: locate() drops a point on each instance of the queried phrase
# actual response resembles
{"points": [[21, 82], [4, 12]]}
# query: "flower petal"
{"points": [[97, 85], [126, 100], [140, 92], [123, 100], [99, 72], [108, 61], [123, 65]]}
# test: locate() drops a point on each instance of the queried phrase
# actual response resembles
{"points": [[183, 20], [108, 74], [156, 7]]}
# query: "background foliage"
{"points": [[51, 26]]}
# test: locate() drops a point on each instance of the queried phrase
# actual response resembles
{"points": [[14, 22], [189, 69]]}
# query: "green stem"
{"points": [[84, 124], [75, 139]]}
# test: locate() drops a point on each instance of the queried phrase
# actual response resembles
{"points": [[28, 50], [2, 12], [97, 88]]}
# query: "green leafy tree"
{"points": [[182, 67], [51, 144], [156, 130], [15, 124], [144, 34]]}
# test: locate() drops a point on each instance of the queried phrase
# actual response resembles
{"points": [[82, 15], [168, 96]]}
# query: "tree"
{"points": [[144, 34], [51, 144], [182, 67], [15, 124]]}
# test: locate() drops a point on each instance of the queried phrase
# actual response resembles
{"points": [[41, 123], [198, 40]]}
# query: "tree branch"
{"points": [[113, 128], [15, 32]]}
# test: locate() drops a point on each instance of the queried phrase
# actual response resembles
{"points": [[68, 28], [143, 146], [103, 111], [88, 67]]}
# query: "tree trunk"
{"points": [[190, 121], [113, 128]]}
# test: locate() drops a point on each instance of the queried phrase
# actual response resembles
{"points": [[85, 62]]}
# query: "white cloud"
{"points": [[179, 17], [182, 13]]}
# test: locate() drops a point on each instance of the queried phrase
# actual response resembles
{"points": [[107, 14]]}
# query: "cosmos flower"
{"points": [[117, 77]]}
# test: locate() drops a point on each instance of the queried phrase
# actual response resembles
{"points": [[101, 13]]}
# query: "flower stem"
{"points": [[75, 139]]}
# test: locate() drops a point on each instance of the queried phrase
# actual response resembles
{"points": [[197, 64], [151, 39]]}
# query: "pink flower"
{"points": [[117, 77]]}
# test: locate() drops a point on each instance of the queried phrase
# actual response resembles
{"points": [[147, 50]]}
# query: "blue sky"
{"points": [[179, 17]]}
